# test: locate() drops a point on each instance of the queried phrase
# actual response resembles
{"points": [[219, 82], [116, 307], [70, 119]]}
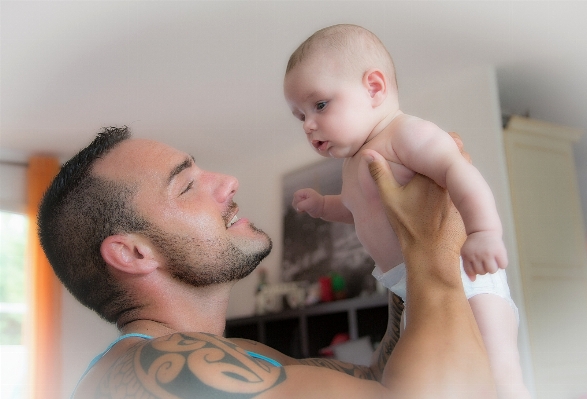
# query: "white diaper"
{"points": [[394, 279], [496, 283]]}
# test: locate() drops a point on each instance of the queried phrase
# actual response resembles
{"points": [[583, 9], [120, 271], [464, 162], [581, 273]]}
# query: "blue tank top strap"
{"points": [[101, 355], [131, 335], [267, 359]]}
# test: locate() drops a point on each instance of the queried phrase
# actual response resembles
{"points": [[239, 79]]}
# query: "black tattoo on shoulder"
{"points": [[189, 366]]}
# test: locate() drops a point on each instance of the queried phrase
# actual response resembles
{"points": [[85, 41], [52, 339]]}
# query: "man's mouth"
{"points": [[232, 221], [229, 215]]}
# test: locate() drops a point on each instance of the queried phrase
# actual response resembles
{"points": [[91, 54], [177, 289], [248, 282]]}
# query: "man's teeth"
{"points": [[232, 221]]}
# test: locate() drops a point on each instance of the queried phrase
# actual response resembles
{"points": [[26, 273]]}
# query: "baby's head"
{"points": [[356, 48], [340, 82]]}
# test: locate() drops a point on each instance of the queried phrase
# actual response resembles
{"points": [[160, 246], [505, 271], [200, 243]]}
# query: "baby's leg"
{"points": [[497, 318], [498, 324]]}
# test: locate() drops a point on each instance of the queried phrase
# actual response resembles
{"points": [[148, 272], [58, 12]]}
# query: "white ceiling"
{"points": [[206, 76]]}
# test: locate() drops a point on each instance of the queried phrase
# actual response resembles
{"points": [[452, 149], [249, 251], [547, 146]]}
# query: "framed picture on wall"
{"points": [[313, 247]]}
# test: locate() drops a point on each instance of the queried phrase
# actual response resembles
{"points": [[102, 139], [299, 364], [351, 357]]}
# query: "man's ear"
{"points": [[129, 253], [374, 81]]}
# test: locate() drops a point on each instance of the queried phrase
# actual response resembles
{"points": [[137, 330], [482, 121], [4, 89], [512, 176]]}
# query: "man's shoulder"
{"points": [[179, 365]]}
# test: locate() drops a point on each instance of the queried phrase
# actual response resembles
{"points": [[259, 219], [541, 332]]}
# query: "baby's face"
{"points": [[336, 110]]}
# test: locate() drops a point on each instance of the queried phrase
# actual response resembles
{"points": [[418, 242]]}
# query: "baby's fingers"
{"points": [[469, 270], [298, 199], [502, 259]]}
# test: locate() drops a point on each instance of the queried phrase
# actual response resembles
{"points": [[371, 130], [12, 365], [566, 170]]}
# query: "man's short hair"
{"points": [[78, 211]]}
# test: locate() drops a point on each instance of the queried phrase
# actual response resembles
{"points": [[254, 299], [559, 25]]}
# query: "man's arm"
{"points": [[440, 353], [391, 337], [188, 365]]}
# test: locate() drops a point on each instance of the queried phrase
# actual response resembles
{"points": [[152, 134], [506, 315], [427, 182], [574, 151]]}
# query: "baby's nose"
{"points": [[309, 126]]}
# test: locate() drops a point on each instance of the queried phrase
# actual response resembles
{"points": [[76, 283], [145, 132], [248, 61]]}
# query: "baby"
{"points": [[341, 84]]}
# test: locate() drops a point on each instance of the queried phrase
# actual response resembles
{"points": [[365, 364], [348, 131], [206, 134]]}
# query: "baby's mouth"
{"points": [[320, 145]]}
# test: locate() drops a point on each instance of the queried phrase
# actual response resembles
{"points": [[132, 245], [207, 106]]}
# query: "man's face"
{"points": [[195, 229], [334, 106]]}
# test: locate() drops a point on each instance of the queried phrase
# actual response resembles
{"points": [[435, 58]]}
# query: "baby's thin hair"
{"points": [[358, 47]]}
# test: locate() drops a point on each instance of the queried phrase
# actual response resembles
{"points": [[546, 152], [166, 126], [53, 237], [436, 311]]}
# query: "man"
{"points": [[140, 234]]}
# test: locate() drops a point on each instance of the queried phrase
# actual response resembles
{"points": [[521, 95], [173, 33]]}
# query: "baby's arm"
{"points": [[327, 207], [425, 148]]}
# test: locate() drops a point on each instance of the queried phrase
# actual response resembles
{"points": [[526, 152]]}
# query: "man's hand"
{"points": [[421, 212], [460, 146]]}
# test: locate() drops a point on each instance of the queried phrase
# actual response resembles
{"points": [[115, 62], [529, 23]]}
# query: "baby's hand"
{"points": [[309, 201], [483, 252]]}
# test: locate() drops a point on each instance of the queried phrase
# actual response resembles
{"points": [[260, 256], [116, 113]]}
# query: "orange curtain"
{"points": [[45, 292]]}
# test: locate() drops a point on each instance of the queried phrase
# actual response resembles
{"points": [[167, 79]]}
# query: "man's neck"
{"points": [[180, 309]]}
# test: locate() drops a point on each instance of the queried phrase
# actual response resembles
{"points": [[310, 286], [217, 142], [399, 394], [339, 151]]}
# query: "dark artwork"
{"points": [[312, 247]]}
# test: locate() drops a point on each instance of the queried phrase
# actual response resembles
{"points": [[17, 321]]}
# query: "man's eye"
{"points": [[190, 185], [321, 105]]}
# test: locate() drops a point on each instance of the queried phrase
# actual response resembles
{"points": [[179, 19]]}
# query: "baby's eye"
{"points": [[321, 105]]}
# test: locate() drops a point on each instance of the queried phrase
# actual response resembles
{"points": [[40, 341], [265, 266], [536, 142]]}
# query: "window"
{"points": [[13, 306]]}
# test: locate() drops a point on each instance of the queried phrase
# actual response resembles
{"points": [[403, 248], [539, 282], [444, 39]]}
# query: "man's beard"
{"points": [[207, 262]]}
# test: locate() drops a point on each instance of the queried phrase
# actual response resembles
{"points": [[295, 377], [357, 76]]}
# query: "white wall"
{"points": [[83, 336], [12, 182], [462, 101]]}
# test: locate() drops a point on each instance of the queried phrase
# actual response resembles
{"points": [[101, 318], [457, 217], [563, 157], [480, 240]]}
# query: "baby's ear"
{"points": [[374, 81], [129, 253]]}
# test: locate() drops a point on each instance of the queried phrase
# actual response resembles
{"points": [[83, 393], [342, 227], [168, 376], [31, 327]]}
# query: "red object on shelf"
{"points": [[338, 339], [326, 294]]}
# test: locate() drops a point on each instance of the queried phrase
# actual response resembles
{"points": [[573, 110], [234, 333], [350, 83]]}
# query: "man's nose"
{"points": [[226, 187]]}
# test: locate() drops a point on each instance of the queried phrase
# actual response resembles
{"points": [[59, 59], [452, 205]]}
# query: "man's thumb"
{"points": [[380, 171]]}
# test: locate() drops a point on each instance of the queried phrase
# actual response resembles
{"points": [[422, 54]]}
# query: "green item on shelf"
{"points": [[338, 283]]}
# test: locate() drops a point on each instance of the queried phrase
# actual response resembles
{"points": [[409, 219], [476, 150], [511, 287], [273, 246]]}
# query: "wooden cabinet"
{"points": [[301, 333], [552, 253]]}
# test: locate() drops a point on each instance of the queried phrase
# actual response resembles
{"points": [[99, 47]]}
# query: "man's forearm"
{"points": [[362, 372], [383, 351]]}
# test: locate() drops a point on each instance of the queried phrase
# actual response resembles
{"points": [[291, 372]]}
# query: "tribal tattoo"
{"points": [[205, 365], [396, 308], [188, 366]]}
